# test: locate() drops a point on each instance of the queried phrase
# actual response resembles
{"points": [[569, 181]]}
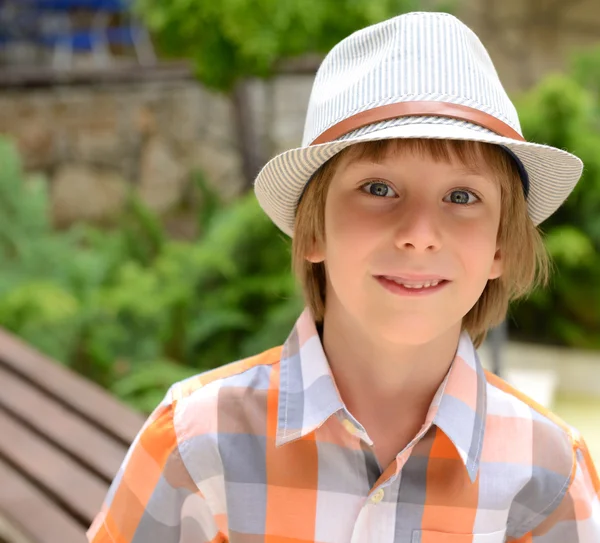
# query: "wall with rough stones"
{"points": [[528, 39], [94, 143]]}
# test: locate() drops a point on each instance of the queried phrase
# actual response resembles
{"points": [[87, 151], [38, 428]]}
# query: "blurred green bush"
{"points": [[131, 309], [564, 111], [230, 40]]}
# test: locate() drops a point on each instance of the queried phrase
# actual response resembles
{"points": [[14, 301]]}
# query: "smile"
{"points": [[405, 287], [414, 284]]}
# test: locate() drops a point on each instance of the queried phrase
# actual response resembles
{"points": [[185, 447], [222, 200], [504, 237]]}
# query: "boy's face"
{"points": [[394, 227]]}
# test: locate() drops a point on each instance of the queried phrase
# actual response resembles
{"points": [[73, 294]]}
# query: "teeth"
{"points": [[425, 284]]}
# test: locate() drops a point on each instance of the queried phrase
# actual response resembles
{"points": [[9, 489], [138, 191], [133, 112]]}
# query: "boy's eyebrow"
{"points": [[481, 173], [472, 170]]}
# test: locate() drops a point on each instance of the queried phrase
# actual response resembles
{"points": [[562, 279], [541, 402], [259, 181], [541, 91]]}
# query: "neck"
{"points": [[398, 375]]}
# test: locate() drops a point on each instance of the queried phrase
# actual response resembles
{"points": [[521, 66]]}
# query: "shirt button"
{"points": [[377, 496], [350, 427]]}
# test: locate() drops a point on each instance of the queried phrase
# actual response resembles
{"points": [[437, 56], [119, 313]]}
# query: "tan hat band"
{"points": [[418, 109]]}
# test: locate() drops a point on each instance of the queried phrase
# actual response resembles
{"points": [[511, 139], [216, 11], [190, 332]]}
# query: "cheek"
{"points": [[476, 246], [350, 229], [351, 239]]}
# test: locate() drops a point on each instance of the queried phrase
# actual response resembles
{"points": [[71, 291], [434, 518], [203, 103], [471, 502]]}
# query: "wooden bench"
{"points": [[62, 440]]}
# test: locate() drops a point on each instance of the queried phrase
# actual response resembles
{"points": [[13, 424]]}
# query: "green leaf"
{"points": [[570, 246], [236, 39]]}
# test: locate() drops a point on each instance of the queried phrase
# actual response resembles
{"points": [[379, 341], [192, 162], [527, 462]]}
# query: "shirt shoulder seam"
{"points": [[502, 385], [185, 388]]}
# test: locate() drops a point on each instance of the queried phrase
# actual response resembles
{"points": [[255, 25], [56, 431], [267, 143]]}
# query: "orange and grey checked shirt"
{"points": [[264, 451]]}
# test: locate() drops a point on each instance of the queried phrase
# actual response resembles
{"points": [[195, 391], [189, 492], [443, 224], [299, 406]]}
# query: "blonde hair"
{"points": [[525, 260]]}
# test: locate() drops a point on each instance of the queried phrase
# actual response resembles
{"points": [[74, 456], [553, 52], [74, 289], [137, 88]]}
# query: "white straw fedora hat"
{"points": [[419, 75]]}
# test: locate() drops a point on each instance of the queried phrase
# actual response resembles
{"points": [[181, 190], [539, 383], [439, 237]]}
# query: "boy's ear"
{"points": [[497, 265], [316, 252]]}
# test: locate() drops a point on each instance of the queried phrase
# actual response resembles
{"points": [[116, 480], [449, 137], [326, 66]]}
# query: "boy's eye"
{"points": [[461, 196], [378, 188]]}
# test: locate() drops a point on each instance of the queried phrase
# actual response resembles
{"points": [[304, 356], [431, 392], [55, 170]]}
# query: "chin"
{"points": [[408, 329]]}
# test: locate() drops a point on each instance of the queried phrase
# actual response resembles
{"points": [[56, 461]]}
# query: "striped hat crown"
{"points": [[413, 57], [419, 75]]}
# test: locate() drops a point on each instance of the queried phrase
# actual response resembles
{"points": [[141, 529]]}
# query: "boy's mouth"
{"points": [[400, 285]]}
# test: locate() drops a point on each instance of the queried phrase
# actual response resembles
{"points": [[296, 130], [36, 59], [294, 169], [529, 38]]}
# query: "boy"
{"points": [[412, 205]]}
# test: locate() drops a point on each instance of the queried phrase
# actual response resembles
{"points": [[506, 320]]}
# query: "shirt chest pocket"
{"points": [[426, 536]]}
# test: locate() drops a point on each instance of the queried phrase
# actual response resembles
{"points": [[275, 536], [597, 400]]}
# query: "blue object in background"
{"points": [[112, 6], [49, 25]]}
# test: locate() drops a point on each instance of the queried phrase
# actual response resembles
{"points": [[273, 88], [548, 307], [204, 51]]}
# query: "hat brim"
{"points": [[553, 173]]}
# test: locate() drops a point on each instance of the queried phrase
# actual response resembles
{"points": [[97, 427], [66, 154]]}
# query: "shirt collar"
{"points": [[459, 408], [308, 395]]}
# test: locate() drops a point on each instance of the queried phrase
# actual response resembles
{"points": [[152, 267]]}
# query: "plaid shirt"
{"points": [[264, 451]]}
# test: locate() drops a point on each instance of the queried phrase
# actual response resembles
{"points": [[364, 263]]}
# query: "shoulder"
{"points": [[537, 447], [510, 403], [214, 412], [246, 372], [202, 403]]}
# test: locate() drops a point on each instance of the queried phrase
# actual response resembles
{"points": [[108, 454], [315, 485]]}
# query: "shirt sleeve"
{"points": [[153, 498], [577, 517]]}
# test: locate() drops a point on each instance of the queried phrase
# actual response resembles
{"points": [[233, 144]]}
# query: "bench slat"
{"points": [[68, 430], [85, 397], [82, 491], [32, 513]]}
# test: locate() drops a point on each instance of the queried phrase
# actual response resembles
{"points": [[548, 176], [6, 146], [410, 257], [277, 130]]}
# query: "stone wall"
{"points": [[94, 143], [530, 38]]}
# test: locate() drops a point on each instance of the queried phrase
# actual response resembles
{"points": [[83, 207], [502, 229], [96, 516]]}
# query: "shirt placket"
{"points": [[377, 518]]}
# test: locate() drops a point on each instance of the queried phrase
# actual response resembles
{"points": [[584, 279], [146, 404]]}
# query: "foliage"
{"points": [[232, 39], [132, 309], [564, 111]]}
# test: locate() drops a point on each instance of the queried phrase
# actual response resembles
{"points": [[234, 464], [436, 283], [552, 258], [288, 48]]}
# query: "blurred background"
{"points": [[132, 250]]}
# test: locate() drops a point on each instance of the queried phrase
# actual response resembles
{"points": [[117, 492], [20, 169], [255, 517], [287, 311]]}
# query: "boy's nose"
{"points": [[418, 229]]}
